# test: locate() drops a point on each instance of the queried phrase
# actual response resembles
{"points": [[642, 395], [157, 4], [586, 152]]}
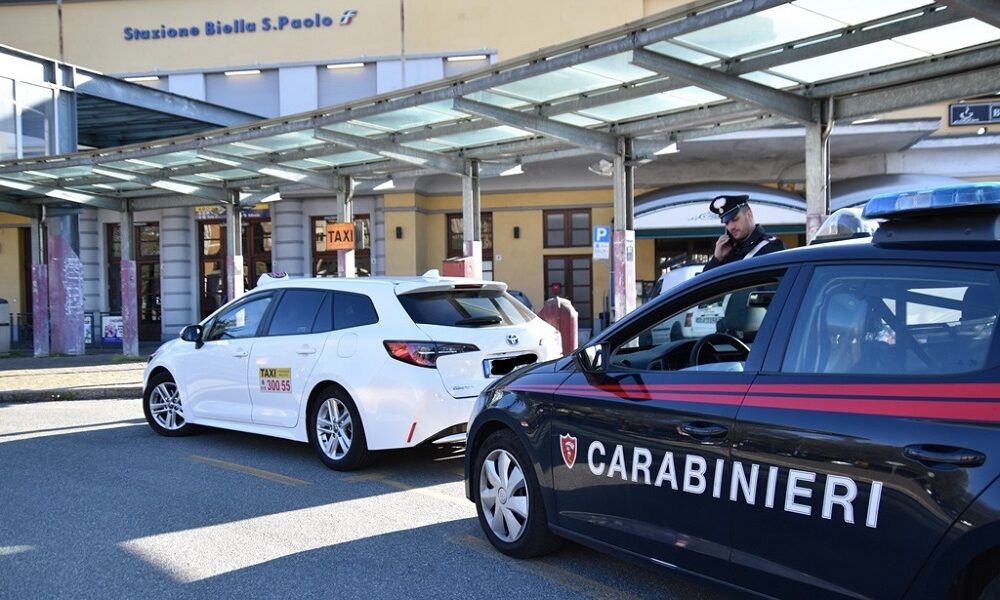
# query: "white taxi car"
{"points": [[349, 365]]}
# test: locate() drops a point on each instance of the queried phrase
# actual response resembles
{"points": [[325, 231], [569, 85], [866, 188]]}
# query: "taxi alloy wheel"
{"points": [[163, 407], [336, 432], [509, 500]]}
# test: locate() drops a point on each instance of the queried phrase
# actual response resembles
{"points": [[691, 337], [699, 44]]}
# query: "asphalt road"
{"points": [[93, 504]]}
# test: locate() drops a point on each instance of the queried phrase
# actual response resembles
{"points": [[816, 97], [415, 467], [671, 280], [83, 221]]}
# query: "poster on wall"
{"points": [[111, 329], [88, 329]]}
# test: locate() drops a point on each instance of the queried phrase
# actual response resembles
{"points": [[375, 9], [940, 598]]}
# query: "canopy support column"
{"points": [[234, 248], [129, 296], [39, 288], [817, 174], [623, 237], [345, 213], [472, 234], [65, 281]]}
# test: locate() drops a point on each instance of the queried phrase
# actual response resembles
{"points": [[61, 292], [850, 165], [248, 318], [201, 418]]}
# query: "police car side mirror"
{"points": [[192, 333], [594, 358]]}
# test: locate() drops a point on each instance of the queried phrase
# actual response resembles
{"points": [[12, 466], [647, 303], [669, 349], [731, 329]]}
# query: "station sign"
{"points": [[974, 113]]}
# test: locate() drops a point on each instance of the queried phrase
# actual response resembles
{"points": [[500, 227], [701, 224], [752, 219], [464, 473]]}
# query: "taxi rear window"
{"points": [[465, 308], [909, 320]]}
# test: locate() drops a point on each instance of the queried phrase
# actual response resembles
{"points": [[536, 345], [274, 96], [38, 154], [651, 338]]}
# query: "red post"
{"points": [[559, 313]]}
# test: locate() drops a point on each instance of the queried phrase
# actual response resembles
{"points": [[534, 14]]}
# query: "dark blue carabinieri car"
{"points": [[838, 435]]}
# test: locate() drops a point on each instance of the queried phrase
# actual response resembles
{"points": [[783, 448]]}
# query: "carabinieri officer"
{"points": [[743, 238]]}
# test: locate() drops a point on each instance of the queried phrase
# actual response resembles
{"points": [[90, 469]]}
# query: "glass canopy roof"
{"points": [[718, 68]]}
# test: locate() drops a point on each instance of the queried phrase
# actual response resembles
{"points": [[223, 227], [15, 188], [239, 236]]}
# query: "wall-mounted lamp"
{"points": [[351, 65], [385, 185], [517, 232], [399, 232], [670, 148], [517, 169], [604, 168], [240, 72], [466, 58]]}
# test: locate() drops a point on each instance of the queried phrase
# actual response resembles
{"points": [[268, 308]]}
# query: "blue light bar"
{"points": [[887, 206]]}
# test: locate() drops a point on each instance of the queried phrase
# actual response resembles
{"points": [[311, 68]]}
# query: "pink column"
{"points": [[623, 257], [40, 308], [65, 292], [130, 310]]}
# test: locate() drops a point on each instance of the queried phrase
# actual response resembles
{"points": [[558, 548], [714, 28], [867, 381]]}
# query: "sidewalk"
{"points": [[96, 376]]}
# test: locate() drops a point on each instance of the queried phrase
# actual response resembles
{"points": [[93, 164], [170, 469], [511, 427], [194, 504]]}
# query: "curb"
{"points": [[110, 392]]}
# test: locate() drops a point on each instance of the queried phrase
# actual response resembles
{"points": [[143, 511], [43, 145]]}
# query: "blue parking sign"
{"points": [[602, 233]]}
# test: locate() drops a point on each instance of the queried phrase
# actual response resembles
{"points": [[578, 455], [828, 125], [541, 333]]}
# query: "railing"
{"points": [[101, 329]]}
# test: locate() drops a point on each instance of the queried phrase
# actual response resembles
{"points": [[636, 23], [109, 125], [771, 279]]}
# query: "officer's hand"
{"points": [[722, 247]]}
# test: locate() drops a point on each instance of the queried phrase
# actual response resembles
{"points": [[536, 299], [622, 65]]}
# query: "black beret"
{"points": [[727, 206]]}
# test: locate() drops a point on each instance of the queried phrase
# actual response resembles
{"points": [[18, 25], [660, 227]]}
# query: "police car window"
{"points": [[716, 333], [296, 312], [241, 320], [353, 310], [900, 321]]}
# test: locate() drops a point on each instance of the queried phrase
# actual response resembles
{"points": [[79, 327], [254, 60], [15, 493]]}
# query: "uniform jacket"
{"points": [[743, 248]]}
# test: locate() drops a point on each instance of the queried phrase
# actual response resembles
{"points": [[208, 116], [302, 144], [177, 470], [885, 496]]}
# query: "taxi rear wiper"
{"points": [[490, 320]]}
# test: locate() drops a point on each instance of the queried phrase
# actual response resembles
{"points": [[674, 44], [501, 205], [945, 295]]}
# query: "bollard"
{"points": [[559, 313]]}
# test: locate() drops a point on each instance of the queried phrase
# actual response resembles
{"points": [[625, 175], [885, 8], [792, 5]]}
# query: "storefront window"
{"points": [[37, 122], [8, 131], [325, 261], [567, 228], [146, 240], [456, 240]]}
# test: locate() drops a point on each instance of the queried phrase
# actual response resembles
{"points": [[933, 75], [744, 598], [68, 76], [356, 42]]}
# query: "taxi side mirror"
{"points": [[192, 333], [593, 358]]}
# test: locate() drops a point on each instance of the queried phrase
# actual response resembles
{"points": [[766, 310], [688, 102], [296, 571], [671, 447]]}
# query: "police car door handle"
{"points": [[945, 455], [702, 429]]}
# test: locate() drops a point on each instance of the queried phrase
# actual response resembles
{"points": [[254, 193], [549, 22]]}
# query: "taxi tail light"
{"points": [[424, 354]]}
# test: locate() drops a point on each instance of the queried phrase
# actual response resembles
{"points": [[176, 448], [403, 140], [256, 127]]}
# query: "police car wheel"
{"points": [[509, 500], [336, 432], [161, 403]]}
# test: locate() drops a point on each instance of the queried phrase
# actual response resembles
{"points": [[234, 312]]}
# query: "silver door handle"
{"points": [[305, 351], [241, 354]]}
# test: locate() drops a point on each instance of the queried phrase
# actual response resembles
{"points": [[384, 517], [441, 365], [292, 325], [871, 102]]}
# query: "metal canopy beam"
{"points": [[272, 169], [181, 187], [599, 141], [795, 107], [561, 58], [938, 66], [84, 198], [90, 83], [987, 11], [16, 208], [158, 202], [961, 85], [847, 38], [414, 156]]}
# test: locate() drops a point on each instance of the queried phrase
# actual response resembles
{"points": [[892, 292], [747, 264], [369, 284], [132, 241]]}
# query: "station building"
{"points": [[153, 70]]}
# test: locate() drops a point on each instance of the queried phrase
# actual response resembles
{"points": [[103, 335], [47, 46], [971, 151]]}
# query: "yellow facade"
{"points": [[518, 262], [94, 32], [11, 261]]}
